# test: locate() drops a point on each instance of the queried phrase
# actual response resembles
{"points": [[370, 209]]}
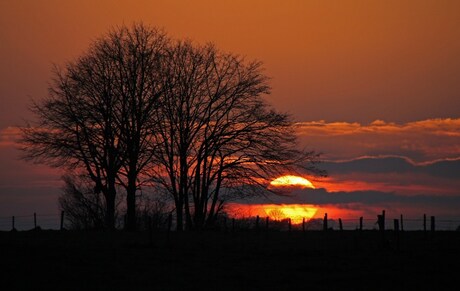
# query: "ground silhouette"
{"points": [[243, 260]]}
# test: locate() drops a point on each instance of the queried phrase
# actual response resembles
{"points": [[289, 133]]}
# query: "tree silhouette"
{"points": [[97, 114], [215, 133], [83, 207], [190, 118]]}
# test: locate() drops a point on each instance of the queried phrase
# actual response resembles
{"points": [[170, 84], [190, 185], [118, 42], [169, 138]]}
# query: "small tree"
{"points": [[83, 206]]}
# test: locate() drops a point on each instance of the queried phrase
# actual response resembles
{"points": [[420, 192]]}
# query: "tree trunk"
{"points": [[131, 204], [110, 200], [179, 216], [110, 210]]}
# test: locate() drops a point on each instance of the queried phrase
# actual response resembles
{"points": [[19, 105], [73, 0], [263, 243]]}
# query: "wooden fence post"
{"points": [[340, 224], [35, 220], [303, 224], [257, 222], [402, 223], [381, 223], [383, 220], [424, 224], [396, 226], [361, 223], [325, 222], [432, 225], [289, 224]]}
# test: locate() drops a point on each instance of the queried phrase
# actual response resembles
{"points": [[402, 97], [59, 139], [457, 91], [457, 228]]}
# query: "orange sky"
{"points": [[332, 60], [362, 78]]}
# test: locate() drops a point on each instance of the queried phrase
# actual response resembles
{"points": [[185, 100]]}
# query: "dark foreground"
{"points": [[315, 260]]}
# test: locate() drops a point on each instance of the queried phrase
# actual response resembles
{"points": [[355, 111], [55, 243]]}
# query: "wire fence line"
{"points": [[408, 224], [55, 221], [27, 222]]}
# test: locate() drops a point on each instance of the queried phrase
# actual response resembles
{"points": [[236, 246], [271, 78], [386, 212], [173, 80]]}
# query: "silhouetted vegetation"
{"points": [[138, 109], [215, 133], [240, 260], [84, 208], [97, 116]]}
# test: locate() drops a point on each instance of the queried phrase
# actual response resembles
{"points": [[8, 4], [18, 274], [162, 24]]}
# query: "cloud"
{"points": [[9, 136], [448, 168], [421, 141], [352, 204], [322, 197], [390, 173]]}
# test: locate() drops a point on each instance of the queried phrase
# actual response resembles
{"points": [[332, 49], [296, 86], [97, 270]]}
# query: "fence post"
{"points": [[432, 225], [62, 220], [289, 224], [361, 223], [396, 226], [383, 220], [402, 223], [257, 222], [233, 224], [12, 222], [325, 222], [303, 224], [381, 223], [35, 220], [340, 224], [424, 224]]}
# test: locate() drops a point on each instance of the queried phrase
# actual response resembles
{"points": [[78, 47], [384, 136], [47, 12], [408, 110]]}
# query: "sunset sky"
{"points": [[373, 85]]}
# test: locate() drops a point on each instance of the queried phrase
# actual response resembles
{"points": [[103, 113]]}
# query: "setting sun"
{"points": [[289, 180], [296, 212], [277, 212]]}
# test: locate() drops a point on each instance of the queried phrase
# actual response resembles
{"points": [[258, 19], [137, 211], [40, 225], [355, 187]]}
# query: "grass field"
{"points": [[246, 260]]}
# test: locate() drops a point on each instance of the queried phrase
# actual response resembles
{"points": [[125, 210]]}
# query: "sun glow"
{"points": [[296, 212], [290, 181], [277, 212]]}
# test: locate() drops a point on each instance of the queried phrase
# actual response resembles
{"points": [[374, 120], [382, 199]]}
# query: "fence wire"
{"points": [[53, 222]]}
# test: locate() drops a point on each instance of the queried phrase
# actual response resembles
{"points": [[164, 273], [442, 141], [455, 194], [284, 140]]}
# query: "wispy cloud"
{"points": [[351, 204], [391, 173], [420, 141], [9, 136]]}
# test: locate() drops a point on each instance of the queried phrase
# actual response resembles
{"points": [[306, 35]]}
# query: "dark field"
{"points": [[315, 260]]}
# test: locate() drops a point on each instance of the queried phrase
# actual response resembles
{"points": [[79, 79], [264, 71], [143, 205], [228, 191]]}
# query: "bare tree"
{"points": [[97, 114], [215, 133], [138, 55], [190, 117]]}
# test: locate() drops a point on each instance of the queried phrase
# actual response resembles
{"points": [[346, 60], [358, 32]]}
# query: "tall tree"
{"points": [[138, 55], [97, 114], [215, 132]]}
